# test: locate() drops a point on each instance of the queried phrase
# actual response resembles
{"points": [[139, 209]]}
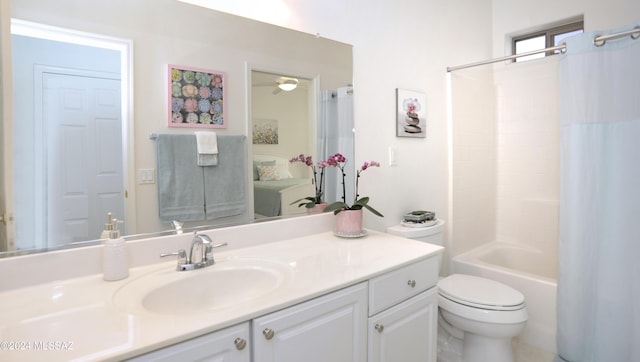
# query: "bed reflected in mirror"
{"points": [[286, 123]]}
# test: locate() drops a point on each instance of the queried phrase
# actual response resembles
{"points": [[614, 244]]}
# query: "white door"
{"points": [[329, 328], [83, 137], [406, 332]]}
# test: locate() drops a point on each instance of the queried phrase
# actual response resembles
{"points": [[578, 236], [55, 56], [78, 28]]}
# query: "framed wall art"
{"points": [[265, 132], [197, 97], [411, 114]]}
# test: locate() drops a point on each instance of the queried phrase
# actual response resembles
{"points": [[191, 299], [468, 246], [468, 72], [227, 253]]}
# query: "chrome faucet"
{"points": [[177, 226], [200, 255]]}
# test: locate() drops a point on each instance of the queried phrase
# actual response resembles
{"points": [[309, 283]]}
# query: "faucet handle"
{"points": [[182, 257], [208, 252]]}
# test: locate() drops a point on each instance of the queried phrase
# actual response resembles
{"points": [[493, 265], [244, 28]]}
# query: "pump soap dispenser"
{"points": [[115, 263]]}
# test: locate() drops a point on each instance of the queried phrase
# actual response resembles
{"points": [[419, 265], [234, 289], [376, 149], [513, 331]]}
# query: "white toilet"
{"points": [[479, 316]]}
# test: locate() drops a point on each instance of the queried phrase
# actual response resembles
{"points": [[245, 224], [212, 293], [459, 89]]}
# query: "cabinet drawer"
{"points": [[398, 285]]}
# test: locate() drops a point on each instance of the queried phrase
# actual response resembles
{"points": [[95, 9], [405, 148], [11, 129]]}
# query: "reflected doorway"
{"points": [[70, 127]]}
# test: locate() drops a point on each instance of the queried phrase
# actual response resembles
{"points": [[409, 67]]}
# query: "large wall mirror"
{"points": [[316, 118]]}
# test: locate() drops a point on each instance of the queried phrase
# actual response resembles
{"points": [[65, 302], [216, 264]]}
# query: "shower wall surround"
{"points": [[528, 154]]}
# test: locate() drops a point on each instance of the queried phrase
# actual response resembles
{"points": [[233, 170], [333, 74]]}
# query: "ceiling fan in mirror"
{"points": [[280, 84]]}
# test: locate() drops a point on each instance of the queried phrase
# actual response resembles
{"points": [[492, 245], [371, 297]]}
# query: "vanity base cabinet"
{"points": [[329, 328], [406, 332], [228, 345]]}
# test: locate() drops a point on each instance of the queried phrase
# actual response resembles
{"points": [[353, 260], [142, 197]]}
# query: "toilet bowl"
{"points": [[479, 314], [487, 313]]}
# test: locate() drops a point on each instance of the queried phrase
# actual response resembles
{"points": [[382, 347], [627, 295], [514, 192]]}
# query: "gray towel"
{"points": [[224, 184], [180, 180]]}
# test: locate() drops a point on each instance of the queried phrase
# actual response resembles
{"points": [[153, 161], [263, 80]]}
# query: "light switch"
{"points": [[393, 156], [146, 176]]}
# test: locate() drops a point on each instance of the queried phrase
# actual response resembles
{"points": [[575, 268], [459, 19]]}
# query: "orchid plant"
{"points": [[317, 168], [339, 161]]}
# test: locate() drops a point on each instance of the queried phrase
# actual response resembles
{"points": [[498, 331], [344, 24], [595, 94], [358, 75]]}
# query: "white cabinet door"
{"points": [[406, 332], [328, 328], [227, 345]]}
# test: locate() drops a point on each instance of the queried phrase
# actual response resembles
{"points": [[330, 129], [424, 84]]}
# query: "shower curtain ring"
{"points": [[636, 35]]}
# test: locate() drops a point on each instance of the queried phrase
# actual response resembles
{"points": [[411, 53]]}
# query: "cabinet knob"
{"points": [[268, 333], [411, 283], [379, 327], [240, 343]]}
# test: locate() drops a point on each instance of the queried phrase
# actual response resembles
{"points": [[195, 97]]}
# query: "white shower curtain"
{"points": [[599, 246], [335, 134]]}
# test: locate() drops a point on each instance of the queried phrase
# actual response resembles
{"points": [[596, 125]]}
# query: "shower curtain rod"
{"points": [[598, 41]]}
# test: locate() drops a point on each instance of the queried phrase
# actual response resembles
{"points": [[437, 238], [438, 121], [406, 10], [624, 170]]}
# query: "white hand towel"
{"points": [[207, 147]]}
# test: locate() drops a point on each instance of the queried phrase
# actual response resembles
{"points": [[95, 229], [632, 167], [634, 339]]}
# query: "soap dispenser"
{"points": [[115, 263], [108, 227]]}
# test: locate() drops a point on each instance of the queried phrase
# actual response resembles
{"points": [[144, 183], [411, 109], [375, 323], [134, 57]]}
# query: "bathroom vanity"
{"points": [[311, 297]]}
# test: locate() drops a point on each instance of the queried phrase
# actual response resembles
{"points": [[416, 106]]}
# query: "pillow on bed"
{"points": [[256, 175], [283, 171], [268, 173]]}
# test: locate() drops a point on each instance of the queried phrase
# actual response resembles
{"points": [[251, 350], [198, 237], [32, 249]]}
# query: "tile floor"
{"points": [[527, 353]]}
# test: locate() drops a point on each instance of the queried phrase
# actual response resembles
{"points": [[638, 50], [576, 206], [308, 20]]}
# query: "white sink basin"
{"points": [[228, 283]]}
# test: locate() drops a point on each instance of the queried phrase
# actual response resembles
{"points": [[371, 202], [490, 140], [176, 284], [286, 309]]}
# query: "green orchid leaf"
{"points": [[374, 211], [309, 199], [336, 207]]}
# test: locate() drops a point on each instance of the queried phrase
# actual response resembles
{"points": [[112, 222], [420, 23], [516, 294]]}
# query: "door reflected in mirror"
{"points": [[69, 166]]}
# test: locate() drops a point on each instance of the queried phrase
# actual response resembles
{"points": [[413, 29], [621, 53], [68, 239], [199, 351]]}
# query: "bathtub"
{"points": [[527, 270]]}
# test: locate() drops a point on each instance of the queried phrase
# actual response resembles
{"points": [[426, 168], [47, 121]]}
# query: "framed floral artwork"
{"points": [[265, 132], [197, 97], [411, 114]]}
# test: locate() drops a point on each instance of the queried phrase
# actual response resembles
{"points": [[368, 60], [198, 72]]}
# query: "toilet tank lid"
{"points": [[416, 232], [477, 291]]}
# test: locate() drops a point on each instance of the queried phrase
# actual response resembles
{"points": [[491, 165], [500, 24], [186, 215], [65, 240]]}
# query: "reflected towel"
{"points": [[207, 148], [180, 180], [225, 193]]}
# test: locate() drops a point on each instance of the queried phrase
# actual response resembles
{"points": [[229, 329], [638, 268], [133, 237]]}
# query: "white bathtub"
{"points": [[527, 270]]}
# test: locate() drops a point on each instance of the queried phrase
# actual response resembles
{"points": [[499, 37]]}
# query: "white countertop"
{"points": [[77, 319]]}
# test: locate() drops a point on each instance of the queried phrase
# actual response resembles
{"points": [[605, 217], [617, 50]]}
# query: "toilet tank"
{"points": [[430, 234]]}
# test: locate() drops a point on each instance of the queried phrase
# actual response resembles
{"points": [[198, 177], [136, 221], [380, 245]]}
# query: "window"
{"points": [[544, 39]]}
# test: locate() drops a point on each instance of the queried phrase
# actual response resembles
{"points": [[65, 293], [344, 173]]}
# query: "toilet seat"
{"points": [[480, 293]]}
